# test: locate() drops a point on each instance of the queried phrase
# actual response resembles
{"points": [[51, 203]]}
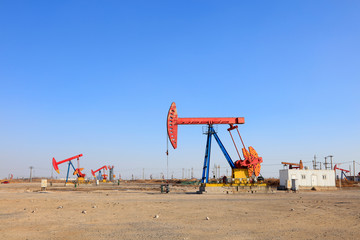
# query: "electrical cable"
{"points": [[167, 157], [344, 162]]}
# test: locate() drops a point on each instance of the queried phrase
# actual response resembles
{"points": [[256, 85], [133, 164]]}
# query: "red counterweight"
{"points": [[251, 161], [78, 172]]}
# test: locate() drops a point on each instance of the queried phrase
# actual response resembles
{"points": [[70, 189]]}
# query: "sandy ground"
{"points": [[117, 213]]}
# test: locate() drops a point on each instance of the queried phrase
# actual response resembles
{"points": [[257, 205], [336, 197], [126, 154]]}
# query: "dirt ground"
{"points": [[128, 212]]}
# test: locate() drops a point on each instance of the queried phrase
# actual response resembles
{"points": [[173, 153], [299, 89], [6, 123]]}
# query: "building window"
{"points": [[324, 177], [303, 176]]}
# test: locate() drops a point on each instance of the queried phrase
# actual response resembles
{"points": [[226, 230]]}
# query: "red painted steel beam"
{"points": [[55, 164], [344, 170], [209, 121], [173, 121]]}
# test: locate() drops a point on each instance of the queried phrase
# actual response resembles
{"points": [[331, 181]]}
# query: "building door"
{"points": [[313, 180]]}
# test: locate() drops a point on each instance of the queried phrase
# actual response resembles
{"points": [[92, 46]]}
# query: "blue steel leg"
{"points": [[204, 178], [67, 175], [205, 161], [227, 156], [342, 173], [208, 159], [74, 169], [72, 166]]}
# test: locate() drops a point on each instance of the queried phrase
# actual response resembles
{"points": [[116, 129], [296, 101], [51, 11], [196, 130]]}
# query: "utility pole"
{"points": [[354, 169], [331, 161], [192, 173], [52, 171], [325, 164], [350, 169], [144, 173], [214, 172], [340, 180], [183, 173], [31, 168], [167, 166], [314, 163]]}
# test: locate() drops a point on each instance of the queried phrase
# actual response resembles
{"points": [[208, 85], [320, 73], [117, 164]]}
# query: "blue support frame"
{"points": [[343, 175], [99, 177], [206, 168], [205, 175], [67, 175], [226, 154]]}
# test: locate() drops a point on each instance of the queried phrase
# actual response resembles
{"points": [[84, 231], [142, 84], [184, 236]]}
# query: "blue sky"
{"points": [[98, 77]]}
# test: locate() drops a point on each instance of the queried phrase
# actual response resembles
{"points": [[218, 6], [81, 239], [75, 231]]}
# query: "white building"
{"points": [[307, 178]]}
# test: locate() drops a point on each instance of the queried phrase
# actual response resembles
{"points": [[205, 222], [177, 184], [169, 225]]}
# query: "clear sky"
{"points": [[98, 77]]}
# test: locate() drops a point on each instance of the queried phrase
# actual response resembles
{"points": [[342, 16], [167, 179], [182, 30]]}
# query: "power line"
{"points": [[31, 168], [344, 162], [274, 164]]}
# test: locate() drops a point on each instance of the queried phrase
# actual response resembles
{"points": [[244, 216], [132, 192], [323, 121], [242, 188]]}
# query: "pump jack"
{"points": [[297, 165], [100, 177], [343, 171], [77, 171], [243, 170]]}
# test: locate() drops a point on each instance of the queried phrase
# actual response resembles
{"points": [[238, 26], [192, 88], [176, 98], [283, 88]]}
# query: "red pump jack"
{"points": [[100, 177], [343, 171], [77, 171], [242, 168]]}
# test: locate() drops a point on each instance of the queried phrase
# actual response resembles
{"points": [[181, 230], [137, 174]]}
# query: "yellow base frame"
{"points": [[81, 180], [241, 178], [235, 184], [240, 173]]}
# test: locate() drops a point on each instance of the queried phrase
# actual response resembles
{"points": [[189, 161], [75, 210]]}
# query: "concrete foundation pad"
{"points": [[235, 189]]}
